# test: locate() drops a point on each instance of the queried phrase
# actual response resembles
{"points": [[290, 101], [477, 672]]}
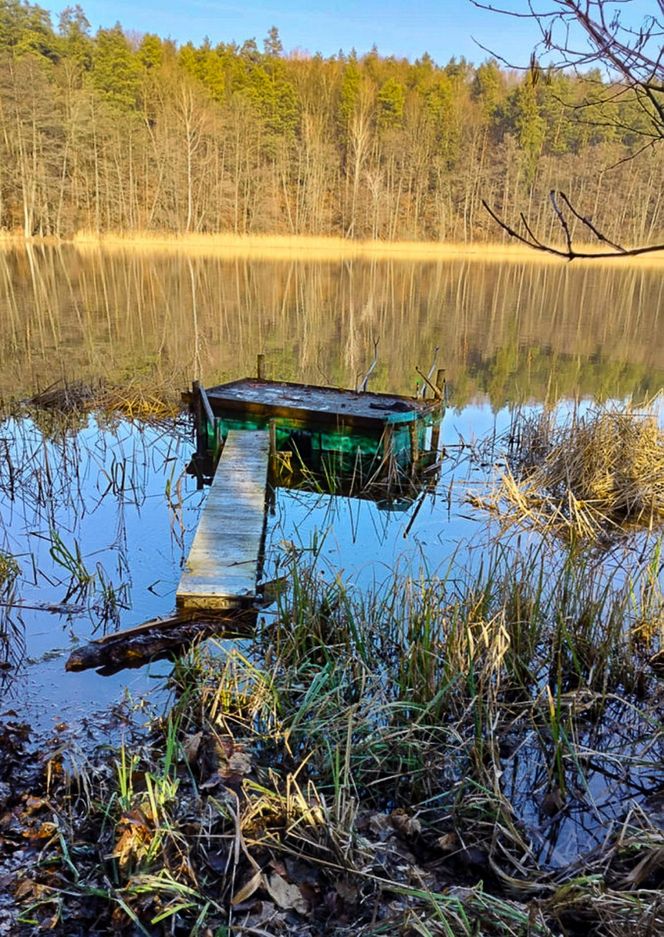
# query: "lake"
{"points": [[99, 514], [508, 332]]}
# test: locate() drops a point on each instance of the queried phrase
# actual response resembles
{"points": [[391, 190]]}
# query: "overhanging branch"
{"points": [[570, 252]]}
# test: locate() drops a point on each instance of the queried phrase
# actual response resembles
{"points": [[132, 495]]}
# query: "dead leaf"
{"points": [[448, 842], [134, 838], [34, 805], [285, 895], [404, 824], [191, 746], [26, 888], [379, 824], [238, 763], [43, 831], [248, 888]]}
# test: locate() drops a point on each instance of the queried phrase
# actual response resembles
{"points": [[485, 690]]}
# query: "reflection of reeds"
{"points": [[56, 470], [12, 640], [588, 476]]}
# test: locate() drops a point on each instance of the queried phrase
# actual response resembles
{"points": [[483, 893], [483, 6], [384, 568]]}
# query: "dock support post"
{"points": [[201, 441], [440, 383], [389, 458], [260, 367], [197, 402], [273, 448], [435, 437], [414, 446]]}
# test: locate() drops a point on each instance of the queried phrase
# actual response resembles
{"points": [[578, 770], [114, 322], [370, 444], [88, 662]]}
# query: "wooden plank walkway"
{"points": [[222, 565]]}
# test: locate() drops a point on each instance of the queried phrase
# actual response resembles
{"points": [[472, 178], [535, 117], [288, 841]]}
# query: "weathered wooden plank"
{"points": [[222, 566], [311, 405]]}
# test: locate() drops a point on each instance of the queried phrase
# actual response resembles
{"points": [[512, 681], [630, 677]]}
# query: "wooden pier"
{"points": [[222, 566]]}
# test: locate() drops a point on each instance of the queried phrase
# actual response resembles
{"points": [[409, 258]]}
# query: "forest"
{"points": [[117, 132]]}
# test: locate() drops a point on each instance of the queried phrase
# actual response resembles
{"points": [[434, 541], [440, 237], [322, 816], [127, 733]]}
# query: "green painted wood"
{"points": [[222, 566]]}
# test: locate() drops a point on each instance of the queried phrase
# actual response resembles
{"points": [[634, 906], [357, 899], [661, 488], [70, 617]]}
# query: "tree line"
{"points": [[117, 132]]}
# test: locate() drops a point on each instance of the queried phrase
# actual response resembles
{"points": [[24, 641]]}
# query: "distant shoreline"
{"points": [[313, 247]]}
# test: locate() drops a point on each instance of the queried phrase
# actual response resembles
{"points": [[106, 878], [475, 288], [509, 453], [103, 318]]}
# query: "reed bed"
{"points": [[472, 754], [588, 477], [326, 247], [132, 399]]}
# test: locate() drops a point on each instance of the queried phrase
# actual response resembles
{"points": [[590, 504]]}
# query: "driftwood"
{"points": [[156, 640]]}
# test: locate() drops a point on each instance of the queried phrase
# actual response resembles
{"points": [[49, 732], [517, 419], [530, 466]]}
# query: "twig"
{"points": [[562, 220], [588, 223]]}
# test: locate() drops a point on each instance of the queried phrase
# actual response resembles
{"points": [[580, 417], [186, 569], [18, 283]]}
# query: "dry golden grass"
{"points": [[135, 399], [311, 247], [299, 247], [587, 477], [317, 248]]}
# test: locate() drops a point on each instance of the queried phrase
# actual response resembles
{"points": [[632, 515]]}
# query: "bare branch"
{"points": [[635, 56], [588, 223], [577, 35], [562, 220], [571, 253]]}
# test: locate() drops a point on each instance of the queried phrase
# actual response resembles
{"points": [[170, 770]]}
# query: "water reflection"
{"points": [[99, 515], [512, 331], [93, 514]]}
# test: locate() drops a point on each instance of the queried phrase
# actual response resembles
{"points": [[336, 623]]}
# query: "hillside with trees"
{"points": [[115, 132]]}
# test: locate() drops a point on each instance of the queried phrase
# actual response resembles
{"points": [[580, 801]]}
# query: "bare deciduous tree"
{"points": [[586, 34]]}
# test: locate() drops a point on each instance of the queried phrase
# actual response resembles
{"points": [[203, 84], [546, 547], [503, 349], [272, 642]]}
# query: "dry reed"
{"points": [[132, 399], [326, 247], [587, 477]]}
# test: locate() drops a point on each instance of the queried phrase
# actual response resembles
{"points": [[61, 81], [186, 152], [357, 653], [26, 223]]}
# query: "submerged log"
{"points": [[156, 640]]}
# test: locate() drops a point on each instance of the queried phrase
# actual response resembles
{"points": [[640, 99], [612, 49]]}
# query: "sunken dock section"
{"points": [[222, 566]]}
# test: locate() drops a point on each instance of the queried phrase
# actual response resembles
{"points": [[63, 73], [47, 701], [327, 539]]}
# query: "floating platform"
{"points": [[321, 438], [310, 405], [222, 567]]}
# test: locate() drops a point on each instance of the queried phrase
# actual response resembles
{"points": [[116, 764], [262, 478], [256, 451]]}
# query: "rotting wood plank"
{"points": [[222, 567]]}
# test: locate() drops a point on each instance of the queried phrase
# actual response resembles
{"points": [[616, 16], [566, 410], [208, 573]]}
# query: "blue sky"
{"points": [[444, 28]]}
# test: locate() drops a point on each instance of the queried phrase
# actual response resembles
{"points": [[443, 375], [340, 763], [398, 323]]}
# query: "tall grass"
{"points": [[441, 750]]}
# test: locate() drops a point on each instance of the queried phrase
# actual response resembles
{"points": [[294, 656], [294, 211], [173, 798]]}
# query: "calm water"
{"points": [[100, 517], [506, 332]]}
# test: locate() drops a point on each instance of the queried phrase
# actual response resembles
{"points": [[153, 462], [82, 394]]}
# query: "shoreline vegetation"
{"points": [[473, 753], [110, 131], [314, 248]]}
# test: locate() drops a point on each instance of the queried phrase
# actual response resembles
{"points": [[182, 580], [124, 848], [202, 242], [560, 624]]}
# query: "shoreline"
{"points": [[314, 248]]}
